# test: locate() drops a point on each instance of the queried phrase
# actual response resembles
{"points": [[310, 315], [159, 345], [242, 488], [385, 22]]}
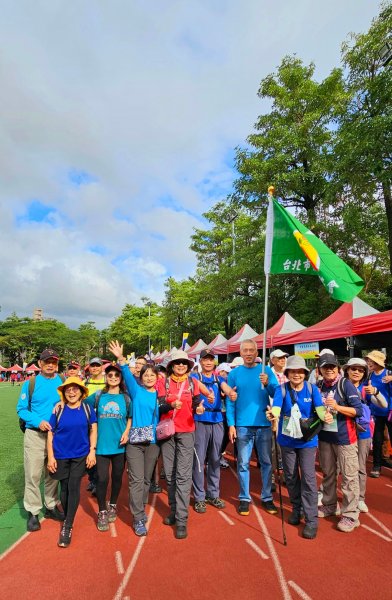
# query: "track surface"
{"points": [[225, 555]]}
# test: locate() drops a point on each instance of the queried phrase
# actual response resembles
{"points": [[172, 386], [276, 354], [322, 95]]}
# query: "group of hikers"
{"points": [[130, 415]]}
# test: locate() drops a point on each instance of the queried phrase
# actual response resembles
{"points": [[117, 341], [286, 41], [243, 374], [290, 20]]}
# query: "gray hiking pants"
{"points": [[141, 459], [208, 443], [177, 456]]}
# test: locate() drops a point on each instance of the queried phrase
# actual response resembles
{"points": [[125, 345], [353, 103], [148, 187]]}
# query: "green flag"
{"points": [[290, 248]]}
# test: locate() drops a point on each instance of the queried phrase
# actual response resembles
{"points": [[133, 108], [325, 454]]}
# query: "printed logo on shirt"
{"points": [[111, 410], [307, 399]]}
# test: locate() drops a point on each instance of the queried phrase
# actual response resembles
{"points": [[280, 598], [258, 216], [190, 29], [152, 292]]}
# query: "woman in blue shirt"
{"points": [[141, 457], [299, 398], [112, 406], [71, 448]]}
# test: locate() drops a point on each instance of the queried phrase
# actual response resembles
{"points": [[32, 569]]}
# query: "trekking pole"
{"points": [[274, 427]]}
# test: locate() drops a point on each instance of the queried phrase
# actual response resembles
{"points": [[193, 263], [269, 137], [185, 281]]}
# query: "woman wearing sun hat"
{"points": [[182, 400], [293, 400], [379, 383], [71, 448]]}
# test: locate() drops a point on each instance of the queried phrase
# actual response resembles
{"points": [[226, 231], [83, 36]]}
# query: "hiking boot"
{"points": [[200, 506], [54, 513], [243, 508], [347, 525], [375, 472], [103, 520], [33, 523], [294, 518], [65, 536], [139, 528], [309, 531], [223, 463], [170, 519], [181, 532], [363, 507], [217, 502], [269, 507], [328, 511], [112, 512], [155, 488]]}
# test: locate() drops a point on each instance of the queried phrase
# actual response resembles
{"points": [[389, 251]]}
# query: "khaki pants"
{"points": [[363, 453], [35, 459], [344, 458]]}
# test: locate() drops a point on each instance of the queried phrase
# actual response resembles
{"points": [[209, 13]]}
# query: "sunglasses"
{"points": [[111, 375], [181, 362], [359, 369]]}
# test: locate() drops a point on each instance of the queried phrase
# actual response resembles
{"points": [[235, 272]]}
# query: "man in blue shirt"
{"points": [[36, 412], [248, 424]]}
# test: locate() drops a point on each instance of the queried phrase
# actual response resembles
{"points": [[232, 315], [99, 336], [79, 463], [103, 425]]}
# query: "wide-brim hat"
{"points": [[357, 362], [295, 362], [180, 355], [73, 381], [377, 357]]}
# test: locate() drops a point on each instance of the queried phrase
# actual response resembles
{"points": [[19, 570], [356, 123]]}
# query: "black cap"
{"points": [[48, 353], [328, 359], [206, 352]]}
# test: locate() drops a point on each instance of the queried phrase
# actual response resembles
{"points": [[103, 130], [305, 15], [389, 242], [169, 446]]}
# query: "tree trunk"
{"points": [[386, 188]]}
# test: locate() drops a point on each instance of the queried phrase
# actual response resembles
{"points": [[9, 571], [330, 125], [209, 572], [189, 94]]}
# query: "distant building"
{"points": [[38, 314]]}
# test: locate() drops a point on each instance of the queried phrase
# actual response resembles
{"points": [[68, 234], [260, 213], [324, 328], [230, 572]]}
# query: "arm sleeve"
{"points": [[230, 405], [352, 398], [90, 400], [277, 401], [272, 382], [22, 406], [129, 380]]}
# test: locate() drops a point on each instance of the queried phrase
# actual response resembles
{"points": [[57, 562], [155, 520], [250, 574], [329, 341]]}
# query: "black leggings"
{"points": [[103, 462], [70, 489]]}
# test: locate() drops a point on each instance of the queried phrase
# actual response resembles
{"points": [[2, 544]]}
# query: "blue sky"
{"points": [[119, 124]]}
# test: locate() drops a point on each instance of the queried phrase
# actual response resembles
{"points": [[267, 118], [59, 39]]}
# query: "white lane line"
{"points": [[319, 475], [383, 537], [256, 548], [299, 590], [113, 530], [126, 598], [119, 594], [387, 484], [225, 517], [381, 525], [274, 556], [119, 562], [6, 552]]}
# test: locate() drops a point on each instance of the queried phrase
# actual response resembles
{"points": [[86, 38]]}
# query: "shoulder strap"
{"points": [[31, 390], [127, 401], [340, 388], [283, 389], [87, 412], [62, 377], [59, 412], [191, 385], [98, 394]]}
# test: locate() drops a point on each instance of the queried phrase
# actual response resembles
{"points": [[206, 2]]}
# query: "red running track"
{"points": [[225, 555]]}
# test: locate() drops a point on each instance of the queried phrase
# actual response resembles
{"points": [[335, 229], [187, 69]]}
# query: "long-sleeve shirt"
{"points": [[145, 409], [347, 432], [252, 398], [45, 396], [386, 391]]}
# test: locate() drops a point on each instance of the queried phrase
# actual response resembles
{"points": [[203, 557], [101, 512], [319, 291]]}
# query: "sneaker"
{"points": [[33, 523], [294, 518], [243, 508], [170, 519], [328, 511], [200, 506], [270, 507], [54, 513], [223, 463], [103, 521], [363, 507], [309, 531], [319, 498], [139, 528], [217, 502], [112, 512], [347, 525], [155, 488], [181, 532], [375, 472], [65, 536]]}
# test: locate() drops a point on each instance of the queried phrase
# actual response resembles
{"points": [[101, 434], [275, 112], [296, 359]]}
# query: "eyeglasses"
{"points": [[359, 369], [111, 375], [181, 362]]}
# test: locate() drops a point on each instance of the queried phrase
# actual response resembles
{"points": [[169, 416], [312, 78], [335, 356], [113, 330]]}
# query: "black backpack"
{"points": [[31, 388], [98, 395]]}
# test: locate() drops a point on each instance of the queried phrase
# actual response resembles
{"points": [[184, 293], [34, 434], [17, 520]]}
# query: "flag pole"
{"points": [[267, 264]]}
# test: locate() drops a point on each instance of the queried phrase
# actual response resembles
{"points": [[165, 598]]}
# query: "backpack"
{"points": [[362, 423], [30, 389], [190, 382], [98, 395], [311, 426], [60, 410]]}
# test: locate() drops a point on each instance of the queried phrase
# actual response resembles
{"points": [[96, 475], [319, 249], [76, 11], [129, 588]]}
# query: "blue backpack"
{"points": [[362, 422]]}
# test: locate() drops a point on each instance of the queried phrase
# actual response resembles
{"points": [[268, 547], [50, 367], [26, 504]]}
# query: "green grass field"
{"points": [[11, 449]]}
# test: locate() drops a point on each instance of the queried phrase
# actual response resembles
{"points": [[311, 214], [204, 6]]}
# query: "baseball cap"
{"points": [[328, 359], [47, 354], [238, 361], [324, 351], [278, 353], [96, 361], [73, 365], [206, 352]]}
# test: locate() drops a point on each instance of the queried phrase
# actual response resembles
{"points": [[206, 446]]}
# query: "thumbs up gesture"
{"points": [[200, 408], [233, 394]]}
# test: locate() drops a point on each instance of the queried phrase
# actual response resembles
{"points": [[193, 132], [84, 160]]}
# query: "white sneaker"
{"points": [[362, 506]]}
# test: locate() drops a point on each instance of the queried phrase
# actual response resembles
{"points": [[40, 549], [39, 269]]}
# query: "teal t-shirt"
{"points": [[112, 417]]}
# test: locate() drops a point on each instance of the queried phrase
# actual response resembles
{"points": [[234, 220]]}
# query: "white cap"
{"points": [[238, 361], [325, 351], [278, 354], [223, 367]]}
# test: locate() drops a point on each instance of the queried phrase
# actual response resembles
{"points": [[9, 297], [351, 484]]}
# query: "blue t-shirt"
{"points": [[385, 389], [306, 407], [71, 435], [112, 417], [44, 398], [145, 410], [213, 412], [252, 401]]}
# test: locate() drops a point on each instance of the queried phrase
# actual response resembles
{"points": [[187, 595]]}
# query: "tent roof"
{"points": [[15, 368], [285, 325], [337, 325], [245, 333], [374, 323], [3, 368], [196, 348], [217, 341], [33, 367]]}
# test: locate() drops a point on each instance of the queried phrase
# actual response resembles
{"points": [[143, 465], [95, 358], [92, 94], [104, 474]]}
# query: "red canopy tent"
{"points": [[337, 325], [33, 368], [2, 369], [217, 341], [196, 348], [284, 326], [376, 323], [14, 368], [232, 345]]}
